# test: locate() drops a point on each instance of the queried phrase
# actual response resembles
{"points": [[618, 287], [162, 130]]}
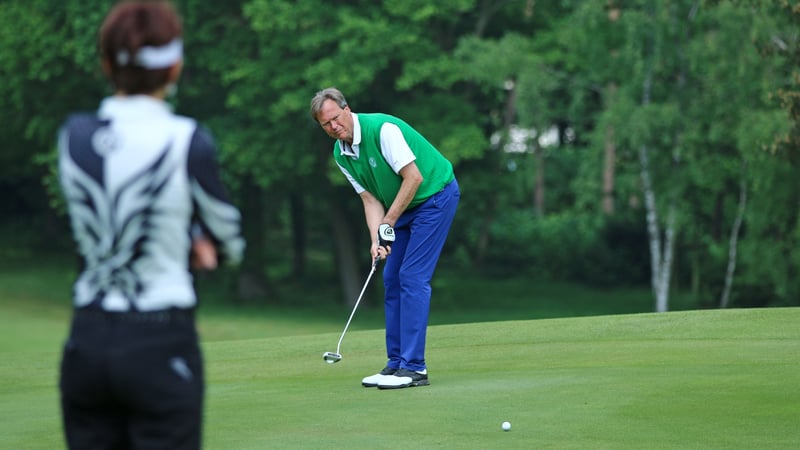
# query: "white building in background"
{"points": [[520, 139]]}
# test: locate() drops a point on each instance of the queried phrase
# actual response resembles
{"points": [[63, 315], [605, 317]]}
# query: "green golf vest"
{"points": [[373, 173]]}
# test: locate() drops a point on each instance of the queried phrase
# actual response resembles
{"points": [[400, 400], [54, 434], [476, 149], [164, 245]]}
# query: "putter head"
{"points": [[331, 357]]}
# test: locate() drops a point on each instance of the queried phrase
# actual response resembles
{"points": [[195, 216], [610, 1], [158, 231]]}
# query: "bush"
{"points": [[569, 247]]}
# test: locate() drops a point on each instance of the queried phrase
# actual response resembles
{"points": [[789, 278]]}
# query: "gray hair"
{"points": [[330, 93]]}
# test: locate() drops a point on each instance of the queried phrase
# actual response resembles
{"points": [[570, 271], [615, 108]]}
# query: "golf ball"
{"points": [[506, 426]]}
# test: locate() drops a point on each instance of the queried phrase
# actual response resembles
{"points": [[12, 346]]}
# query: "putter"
{"points": [[334, 357]]}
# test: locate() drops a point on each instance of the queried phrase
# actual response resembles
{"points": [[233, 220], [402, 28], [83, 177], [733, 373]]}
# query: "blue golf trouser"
{"points": [[420, 234]]}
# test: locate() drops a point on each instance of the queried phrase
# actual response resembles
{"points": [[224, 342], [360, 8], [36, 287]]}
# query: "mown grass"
{"points": [[704, 379], [688, 379]]}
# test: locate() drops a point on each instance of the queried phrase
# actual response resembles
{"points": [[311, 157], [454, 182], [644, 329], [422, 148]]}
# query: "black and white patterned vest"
{"points": [[135, 177]]}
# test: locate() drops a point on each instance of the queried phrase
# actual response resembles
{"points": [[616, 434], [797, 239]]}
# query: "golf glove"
{"points": [[385, 235]]}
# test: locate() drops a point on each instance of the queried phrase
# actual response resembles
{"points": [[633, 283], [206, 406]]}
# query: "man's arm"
{"points": [[398, 155], [220, 219], [412, 179], [373, 213]]}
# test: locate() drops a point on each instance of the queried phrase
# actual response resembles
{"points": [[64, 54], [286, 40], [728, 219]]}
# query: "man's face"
{"points": [[336, 121]]}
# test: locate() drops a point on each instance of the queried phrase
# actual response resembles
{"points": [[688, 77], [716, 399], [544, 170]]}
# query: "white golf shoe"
{"points": [[404, 378], [374, 380]]}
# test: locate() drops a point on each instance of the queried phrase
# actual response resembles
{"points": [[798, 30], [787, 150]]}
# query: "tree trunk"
{"points": [[732, 246], [538, 192], [608, 172], [661, 251], [662, 299], [346, 253], [482, 244], [491, 202], [298, 221], [661, 265], [252, 283], [610, 159], [653, 233]]}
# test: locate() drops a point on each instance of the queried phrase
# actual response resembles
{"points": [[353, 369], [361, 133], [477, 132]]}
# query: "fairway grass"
{"points": [[694, 380]]}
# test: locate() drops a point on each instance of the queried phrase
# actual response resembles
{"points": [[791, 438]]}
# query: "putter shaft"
{"points": [[335, 357]]}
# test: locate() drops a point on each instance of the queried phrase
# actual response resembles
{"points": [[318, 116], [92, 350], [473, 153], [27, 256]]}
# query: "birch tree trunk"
{"points": [[733, 242], [651, 208], [660, 262], [662, 249]]}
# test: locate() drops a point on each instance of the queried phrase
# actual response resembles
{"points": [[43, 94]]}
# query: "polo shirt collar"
{"points": [[352, 150], [133, 106]]}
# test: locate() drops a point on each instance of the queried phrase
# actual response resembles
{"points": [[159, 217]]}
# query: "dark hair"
{"points": [[129, 26], [330, 93]]}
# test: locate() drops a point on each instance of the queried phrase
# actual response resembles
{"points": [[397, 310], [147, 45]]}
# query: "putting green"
{"points": [[699, 379]]}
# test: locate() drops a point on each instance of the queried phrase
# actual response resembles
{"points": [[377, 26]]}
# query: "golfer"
{"points": [[140, 183], [410, 196]]}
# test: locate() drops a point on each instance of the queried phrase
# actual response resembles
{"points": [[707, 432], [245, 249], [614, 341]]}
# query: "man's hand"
{"points": [[385, 235], [204, 254]]}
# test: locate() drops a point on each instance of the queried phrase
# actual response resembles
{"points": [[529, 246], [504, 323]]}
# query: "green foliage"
{"points": [[722, 109], [459, 138], [41, 61], [580, 249]]}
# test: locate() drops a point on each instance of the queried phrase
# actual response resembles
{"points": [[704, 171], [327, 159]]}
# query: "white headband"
{"points": [[153, 57]]}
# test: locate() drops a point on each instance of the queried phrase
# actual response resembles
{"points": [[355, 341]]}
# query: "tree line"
{"points": [[638, 142]]}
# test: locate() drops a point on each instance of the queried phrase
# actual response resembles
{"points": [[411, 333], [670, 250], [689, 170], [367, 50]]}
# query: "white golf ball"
{"points": [[506, 426]]}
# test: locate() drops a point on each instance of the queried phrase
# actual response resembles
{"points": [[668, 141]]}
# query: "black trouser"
{"points": [[132, 381]]}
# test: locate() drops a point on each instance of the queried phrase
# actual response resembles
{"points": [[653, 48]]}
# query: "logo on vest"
{"points": [[373, 163], [105, 141]]}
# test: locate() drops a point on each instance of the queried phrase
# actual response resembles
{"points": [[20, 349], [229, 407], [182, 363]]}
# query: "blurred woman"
{"points": [[140, 184]]}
